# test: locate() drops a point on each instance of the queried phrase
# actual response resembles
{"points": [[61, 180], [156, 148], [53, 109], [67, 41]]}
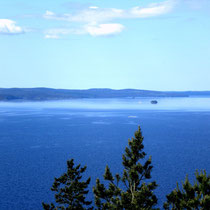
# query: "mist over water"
{"points": [[36, 139], [174, 103]]}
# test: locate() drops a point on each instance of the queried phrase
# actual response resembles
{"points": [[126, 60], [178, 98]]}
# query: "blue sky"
{"points": [[144, 44]]}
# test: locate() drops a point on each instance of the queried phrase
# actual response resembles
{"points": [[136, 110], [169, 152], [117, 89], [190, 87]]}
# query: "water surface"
{"points": [[36, 139]]}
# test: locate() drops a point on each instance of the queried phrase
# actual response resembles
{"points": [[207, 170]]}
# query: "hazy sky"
{"points": [[143, 44]]}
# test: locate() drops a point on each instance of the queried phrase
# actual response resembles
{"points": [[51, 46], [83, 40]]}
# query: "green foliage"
{"points": [[195, 196], [136, 194], [131, 190], [69, 190]]}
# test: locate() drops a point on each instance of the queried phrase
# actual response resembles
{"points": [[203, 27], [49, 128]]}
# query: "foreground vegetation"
{"points": [[131, 190]]}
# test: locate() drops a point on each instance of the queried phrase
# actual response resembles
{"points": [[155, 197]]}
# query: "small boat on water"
{"points": [[154, 102]]}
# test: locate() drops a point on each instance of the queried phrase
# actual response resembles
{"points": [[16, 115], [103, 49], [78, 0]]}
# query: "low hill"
{"points": [[43, 94]]}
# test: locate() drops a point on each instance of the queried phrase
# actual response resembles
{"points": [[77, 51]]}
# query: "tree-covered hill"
{"points": [[42, 94]]}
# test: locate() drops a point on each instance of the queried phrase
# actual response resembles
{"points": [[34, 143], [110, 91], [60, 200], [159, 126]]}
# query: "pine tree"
{"points": [[70, 190], [195, 196], [135, 193]]}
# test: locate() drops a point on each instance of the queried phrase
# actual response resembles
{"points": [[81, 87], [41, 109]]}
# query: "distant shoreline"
{"points": [[49, 94]]}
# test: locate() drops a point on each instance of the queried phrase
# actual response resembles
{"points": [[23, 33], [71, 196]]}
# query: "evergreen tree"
{"points": [[135, 193], [195, 196], [69, 190]]}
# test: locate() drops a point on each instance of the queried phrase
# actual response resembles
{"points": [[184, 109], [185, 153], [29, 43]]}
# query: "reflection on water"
{"points": [[185, 104]]}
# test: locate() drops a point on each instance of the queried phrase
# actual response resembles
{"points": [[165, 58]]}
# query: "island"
{"points": [[46, 94]]}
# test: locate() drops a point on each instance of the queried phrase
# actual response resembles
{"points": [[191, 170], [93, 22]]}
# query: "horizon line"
{"points": [[105, 89]]}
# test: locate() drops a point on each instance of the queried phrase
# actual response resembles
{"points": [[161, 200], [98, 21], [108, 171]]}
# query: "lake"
{"points": [[36, 139]]}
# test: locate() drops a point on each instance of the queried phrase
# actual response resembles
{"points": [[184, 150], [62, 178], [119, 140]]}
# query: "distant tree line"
{"points": [[44, 94], [131, 190]]}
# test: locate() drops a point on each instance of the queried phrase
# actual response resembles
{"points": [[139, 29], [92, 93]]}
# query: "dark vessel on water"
{"points": [[154, 102]]}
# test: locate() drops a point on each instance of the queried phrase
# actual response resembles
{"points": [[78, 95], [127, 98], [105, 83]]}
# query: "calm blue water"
{"points": [[36, 139]]}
